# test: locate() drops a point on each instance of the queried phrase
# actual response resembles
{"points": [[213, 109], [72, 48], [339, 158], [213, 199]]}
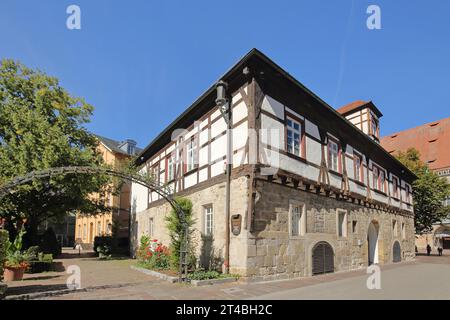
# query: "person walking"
{"points": [[440, 251], [428, 249]]}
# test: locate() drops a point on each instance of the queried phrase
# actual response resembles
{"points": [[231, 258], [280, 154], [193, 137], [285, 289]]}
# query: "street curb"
{"points": [[160, 275], [38, 295], [199, 283], [196, 283]]}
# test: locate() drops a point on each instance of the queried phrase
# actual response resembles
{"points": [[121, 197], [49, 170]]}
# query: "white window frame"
{"points": [[297, 219], [208, 218], [396, 187], [382, 181], [359, 172], [333, 155], [341, 228], [191, 150], [292, 131], [170, 168], [151, 226]]}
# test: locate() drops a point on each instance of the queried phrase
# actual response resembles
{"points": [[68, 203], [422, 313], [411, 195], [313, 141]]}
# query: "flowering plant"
{"points": [[153, 255]]}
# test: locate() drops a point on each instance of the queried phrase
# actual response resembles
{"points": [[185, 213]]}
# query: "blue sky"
{"points": [[141, 63]]}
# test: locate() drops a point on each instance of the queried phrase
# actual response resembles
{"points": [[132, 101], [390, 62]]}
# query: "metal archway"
{"points": [[163, 190]]}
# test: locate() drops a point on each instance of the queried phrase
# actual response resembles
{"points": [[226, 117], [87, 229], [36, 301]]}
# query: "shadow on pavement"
{"points": [[22, 290]]}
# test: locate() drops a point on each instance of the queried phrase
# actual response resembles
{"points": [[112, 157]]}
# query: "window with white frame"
{"points": [[408, 193], [297, 218], [150, 227], [333, 155], [378, 178], [359, 172], [191, 154], [382, 181], [209, 220], [155, 172], [170, 168], [395, 187], [294, 132], [342, 223]]}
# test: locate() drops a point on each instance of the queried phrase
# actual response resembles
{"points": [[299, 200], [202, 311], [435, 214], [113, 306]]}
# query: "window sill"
{"points": [[334, 172], [380, 192], [361, 184], [302, 237], [190, 171], [296, 157]]}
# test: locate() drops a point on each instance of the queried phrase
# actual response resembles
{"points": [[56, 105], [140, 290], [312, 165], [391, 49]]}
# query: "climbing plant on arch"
{"points": [[146, 181]]}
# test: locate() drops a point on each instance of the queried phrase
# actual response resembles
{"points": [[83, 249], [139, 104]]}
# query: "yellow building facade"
{"points": [[87, 227]]}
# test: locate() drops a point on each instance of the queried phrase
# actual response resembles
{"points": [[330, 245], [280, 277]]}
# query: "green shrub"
{"points": [[49, 243], [4, 239], [207, 275], [41, 262], [104, 252], [102, 242], [40, 266]]}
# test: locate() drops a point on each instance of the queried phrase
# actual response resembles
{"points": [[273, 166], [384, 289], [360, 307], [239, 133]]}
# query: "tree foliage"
{"points": [[41, 126], [429, 192]]}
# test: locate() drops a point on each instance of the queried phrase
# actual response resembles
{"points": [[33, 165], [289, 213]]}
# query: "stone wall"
{"points": [[274, 253], [210, 195]]}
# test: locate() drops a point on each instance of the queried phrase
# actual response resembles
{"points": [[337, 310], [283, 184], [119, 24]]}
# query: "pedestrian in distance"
{"points": [[428, 249]]}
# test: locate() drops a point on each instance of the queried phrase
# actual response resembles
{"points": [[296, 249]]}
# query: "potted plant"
{"points": [[17, 261]]}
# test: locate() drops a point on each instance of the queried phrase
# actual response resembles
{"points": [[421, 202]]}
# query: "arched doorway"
{"points": [[396, 252], [372, 239], [322, 258]]}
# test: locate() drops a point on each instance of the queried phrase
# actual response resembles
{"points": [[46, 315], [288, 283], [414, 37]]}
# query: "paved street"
{"points": [[426, 278]]}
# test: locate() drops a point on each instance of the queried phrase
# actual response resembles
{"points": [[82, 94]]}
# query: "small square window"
{"points": [[342, 223], [297, 219], [208, 220], [151, 227]]}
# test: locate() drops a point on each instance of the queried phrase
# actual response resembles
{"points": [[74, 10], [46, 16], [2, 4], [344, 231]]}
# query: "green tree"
{"points": [[41, 126], [429, 192], [177, 231]]}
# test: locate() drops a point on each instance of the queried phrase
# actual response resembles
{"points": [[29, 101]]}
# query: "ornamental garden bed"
{"points": [[196, 278], [157, 260]]}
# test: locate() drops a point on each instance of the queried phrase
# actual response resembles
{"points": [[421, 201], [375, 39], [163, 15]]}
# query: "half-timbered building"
{"points": [[311, 192]]}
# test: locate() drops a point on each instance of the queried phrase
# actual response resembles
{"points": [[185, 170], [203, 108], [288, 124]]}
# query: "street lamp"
{"points": [[223, 104]]}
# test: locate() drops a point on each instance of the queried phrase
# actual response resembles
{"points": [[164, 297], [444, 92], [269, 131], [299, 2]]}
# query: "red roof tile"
{"points": [[432, 140]]}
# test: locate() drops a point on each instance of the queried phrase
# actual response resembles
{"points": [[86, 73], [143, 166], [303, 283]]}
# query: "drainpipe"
{"points": [[224, 106]]}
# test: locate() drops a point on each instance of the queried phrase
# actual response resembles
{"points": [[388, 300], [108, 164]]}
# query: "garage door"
{"points": [[322, 258]]}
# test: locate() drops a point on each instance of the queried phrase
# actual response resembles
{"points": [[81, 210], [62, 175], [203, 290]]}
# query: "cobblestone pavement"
{"points": [[425, 278]]}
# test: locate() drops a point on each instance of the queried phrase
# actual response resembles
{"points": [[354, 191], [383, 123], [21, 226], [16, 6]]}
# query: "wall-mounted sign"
{"points": [[236, 224]]}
